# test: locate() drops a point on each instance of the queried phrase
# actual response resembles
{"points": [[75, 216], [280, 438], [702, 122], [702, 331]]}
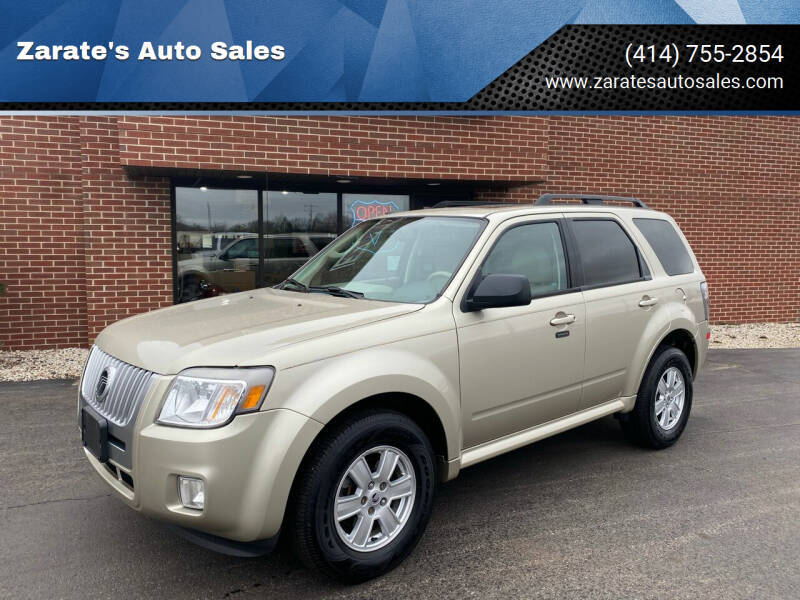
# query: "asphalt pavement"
{"points": [[579, 515]]}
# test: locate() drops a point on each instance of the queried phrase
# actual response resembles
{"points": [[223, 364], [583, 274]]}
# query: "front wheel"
{"points": [[364, 496], [663, 403]]}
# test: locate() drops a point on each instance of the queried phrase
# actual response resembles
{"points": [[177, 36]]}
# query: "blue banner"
{"points": [[302, 51]]}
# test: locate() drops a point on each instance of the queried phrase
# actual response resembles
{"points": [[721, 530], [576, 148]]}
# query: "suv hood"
{"points": [[237, 328]]}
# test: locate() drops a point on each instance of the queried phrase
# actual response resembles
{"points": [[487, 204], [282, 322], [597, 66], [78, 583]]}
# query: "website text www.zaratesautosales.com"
{"points": [[679, 82]]}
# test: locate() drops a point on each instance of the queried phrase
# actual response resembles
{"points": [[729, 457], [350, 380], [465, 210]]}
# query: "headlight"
{"points": [[211, 397]]}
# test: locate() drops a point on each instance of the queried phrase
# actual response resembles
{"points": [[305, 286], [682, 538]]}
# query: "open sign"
{"points": [[362, 210]]}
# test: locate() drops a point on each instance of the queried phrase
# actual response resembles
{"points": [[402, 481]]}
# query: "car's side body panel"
{"points": [[617, 329], [424, 366]]}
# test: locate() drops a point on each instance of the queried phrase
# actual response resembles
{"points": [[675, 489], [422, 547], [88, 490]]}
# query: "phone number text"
{"points": [[673, 54]]}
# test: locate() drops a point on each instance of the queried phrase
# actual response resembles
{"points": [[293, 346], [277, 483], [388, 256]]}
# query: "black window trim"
{"points": [[645, 273], [572, 276]]}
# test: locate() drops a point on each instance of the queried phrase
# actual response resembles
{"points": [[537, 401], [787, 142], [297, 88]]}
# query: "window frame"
{"points": [[571, 274], [645, 273]]}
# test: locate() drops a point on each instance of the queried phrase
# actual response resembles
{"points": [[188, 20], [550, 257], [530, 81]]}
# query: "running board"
{"points": [[534, 434]]}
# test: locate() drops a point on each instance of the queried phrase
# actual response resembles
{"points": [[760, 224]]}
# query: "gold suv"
{"points": [[329, 407]]}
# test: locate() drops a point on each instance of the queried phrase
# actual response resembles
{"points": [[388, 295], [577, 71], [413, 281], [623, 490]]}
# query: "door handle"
{"points": [[648, 301], [562, 319]]}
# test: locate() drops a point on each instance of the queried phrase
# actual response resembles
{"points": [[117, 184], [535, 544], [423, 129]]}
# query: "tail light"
{"points": [[704, 292]]}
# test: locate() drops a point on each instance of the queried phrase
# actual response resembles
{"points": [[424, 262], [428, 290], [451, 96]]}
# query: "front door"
{"points": [[522, 366]]}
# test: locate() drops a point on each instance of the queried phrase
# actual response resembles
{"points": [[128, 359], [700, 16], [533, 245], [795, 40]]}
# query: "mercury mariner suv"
{"points": [[328, 408]]}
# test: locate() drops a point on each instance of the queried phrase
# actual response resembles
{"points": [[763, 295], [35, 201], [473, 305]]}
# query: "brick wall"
{"points": [[41, 233], [127, 228], [499, 148], [82, 244], [85, 243]]}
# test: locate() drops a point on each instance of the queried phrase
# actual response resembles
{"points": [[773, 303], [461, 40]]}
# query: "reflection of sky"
{"points": [[232, 208], [296, 205], [228, 208]]}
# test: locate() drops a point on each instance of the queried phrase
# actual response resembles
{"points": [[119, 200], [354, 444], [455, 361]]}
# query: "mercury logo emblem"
{"points": [[103, 384]]}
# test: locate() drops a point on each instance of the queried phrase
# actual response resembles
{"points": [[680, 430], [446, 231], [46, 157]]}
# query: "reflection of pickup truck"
{"points": [[214, 243], [233, 268]]}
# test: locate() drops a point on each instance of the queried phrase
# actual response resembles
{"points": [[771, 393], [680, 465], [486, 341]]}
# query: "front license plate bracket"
{"points": [[94, 433]]}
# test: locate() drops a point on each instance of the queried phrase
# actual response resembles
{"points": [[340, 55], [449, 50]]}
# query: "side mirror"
{"points": [[495, 291]]}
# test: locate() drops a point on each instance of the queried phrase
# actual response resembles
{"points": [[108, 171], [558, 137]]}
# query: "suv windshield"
{"points": [[399, 259]]}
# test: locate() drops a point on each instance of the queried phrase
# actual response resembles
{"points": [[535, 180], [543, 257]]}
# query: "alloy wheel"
{"points": [[670, 398], [374, 498]]}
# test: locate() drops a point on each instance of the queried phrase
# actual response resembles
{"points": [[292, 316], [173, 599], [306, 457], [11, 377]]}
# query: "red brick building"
{"points": [[102, 217]]}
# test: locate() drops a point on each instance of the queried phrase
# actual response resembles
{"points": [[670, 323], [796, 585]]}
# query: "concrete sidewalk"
{"points": [[583, 514]]}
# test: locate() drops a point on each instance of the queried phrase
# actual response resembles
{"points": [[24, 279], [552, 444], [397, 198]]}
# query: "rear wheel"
{"points": [[364, 496], [190, 288], [664, 401]]}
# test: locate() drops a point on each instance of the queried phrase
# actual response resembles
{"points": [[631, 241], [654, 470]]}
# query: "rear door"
{"points": [[621, 298], [521, 365]]}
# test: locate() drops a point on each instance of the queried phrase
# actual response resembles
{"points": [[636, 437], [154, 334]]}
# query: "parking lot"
{"points": [[583, 514]]}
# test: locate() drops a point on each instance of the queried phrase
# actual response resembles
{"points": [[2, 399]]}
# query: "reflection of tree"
{"points": [[249, 227], [319, 223]]}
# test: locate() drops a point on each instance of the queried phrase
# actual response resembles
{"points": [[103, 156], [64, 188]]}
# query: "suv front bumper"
{"points": [[247, 467]]}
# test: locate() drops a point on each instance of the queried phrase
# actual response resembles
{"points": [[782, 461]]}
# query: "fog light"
{"points": [[192, 492]]}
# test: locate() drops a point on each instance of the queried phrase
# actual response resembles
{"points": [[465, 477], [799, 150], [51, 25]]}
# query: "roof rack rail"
{"points": [[460, 203], [588, 199]]}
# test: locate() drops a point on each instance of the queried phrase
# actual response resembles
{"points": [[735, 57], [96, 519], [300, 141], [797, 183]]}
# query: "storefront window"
{"points": [[360, 207], [217, 234], [216, 231], [296, 227]]}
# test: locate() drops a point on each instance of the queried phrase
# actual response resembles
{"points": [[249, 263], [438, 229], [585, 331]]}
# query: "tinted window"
{"points": [[534, 251], [667, 245], [607, 253]]}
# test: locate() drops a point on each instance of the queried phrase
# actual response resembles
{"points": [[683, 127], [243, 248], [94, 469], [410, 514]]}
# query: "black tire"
{"points": [[640, 425], [190, 288], [315, 538]]}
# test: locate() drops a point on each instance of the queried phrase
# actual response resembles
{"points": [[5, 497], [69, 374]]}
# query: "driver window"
{"points": [[535, 251]]}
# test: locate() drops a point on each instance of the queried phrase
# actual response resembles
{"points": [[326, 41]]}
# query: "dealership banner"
{"points": [[510, 55]]}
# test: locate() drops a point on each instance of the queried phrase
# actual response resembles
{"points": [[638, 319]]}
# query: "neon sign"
{"points": [[362, 210]]}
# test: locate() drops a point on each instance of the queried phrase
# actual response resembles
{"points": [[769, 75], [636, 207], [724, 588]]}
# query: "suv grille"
{"points": [[112, 387]]}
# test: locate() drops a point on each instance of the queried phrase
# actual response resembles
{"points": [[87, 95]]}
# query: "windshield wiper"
{"points": [[296, 283], [336, 291]]}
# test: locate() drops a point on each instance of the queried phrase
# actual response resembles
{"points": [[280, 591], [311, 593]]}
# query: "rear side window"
{"points": [[667, 245], [607, 253]]}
